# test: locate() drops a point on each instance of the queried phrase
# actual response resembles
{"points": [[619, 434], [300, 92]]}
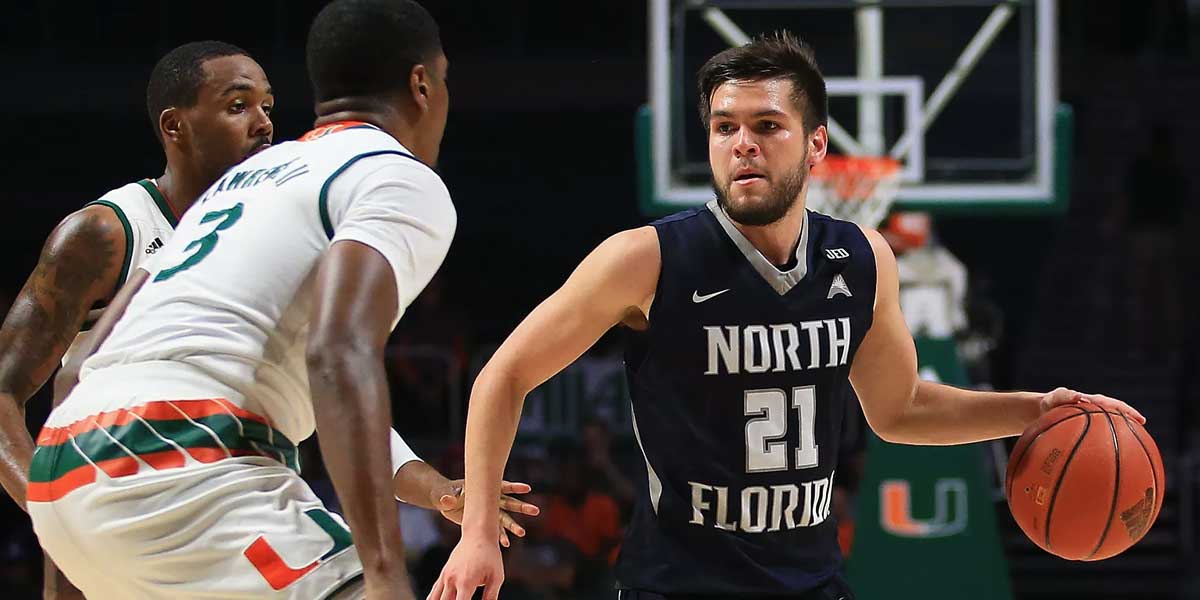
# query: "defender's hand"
{"points": [[1064, 396], [451, 500]]}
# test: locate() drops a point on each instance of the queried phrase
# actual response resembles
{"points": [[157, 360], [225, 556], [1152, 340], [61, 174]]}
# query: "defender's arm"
{"points": [[79, 265], [354, 303]]}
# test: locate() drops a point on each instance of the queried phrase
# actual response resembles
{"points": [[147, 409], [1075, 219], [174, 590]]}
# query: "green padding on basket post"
{"points": [[925, 519], [643, 145]]}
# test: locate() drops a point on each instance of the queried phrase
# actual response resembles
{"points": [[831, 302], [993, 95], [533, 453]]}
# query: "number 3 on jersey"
{"points": [[766, 450], [205, 244]]}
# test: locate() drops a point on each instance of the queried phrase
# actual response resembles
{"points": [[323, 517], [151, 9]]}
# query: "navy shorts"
{"points": [[834, 589]]}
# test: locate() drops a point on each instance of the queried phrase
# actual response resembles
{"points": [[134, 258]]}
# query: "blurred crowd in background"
{"points": [[1102, 298]]}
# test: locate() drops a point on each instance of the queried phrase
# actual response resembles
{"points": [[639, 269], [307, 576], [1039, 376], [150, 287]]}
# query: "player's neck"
{"points": [[179, 189], [777, 241], [362, 116], [381, 115]]}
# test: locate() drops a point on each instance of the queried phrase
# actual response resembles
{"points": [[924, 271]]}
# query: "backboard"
{"points": [[964, 93]]}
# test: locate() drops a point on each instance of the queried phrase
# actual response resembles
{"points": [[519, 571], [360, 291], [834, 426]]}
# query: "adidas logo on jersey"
{"points": [[838, 287], [154, 246]]}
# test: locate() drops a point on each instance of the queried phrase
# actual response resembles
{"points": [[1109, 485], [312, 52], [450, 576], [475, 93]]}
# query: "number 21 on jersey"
{"points": [[766, 448]]}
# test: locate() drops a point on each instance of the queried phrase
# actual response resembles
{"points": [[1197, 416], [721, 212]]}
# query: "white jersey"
{"points": [[933, 289], [148, 223], [225, 312]]}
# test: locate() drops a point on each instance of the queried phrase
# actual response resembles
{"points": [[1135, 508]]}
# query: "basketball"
{"points": [[1084, 483]]}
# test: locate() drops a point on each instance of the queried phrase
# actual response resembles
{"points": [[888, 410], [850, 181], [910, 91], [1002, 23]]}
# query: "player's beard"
{"points": [[258, 144], [774, 204]]}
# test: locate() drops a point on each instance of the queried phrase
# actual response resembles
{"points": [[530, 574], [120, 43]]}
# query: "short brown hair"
{"points": [[775, 55]]}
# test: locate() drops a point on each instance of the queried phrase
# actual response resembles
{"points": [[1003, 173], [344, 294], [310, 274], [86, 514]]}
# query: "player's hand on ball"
{"points": [[1062, 396], [450, 503], [474, 562]]}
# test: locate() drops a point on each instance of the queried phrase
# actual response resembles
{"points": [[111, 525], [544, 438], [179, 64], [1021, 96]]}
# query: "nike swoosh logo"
{"points": [[697, 298]]}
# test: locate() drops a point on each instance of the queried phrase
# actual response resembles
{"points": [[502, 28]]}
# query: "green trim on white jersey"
{"points": [[128, 240]]}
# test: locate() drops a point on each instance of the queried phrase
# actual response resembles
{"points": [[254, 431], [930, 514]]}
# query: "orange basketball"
{"points": [[1084, 483]]}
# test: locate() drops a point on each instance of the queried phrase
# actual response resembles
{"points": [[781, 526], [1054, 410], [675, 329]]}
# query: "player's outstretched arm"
{"points": [[615, 283], [903, 409], [79, 265], [354, 304], [419, 484]]}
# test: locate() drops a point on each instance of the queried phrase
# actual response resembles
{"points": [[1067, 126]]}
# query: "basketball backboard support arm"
{"points": [[955, 78], [1043, 190], [868, 27], [734, 36]]}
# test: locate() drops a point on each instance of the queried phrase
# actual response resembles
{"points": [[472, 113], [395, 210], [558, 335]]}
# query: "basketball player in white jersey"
{"points": [[209, 104], [265, 318]]}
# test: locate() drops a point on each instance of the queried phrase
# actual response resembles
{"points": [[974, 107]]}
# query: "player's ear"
{"points": [[818, 145], [419, 84], [170, 124]]}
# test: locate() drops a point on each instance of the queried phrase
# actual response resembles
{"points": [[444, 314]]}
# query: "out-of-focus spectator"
{"points": [[984, 333], [597, 450], [587, 517], [421, 530], [427, 355], [933, 283], [1151, 210], [541, 565], [935, 296], [435, 319]]}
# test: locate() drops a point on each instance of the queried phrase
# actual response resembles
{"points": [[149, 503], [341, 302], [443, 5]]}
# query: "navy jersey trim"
{"points": [[781, 281]]}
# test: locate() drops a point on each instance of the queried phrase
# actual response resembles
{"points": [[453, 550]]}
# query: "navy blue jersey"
{"points": [[739, 388]]}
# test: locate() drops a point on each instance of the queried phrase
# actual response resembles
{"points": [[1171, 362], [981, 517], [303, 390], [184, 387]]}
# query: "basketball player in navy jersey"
{"points": [[748, 319]]}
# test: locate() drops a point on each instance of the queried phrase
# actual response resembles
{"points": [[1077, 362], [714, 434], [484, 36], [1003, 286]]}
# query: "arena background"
{"points": [[539, 155]]}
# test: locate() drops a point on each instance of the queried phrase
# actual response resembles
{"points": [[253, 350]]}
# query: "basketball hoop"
{"points": [[854, 188]]}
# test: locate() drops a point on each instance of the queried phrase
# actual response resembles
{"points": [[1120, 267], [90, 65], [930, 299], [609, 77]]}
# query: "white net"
{"points": [[854, 188]]}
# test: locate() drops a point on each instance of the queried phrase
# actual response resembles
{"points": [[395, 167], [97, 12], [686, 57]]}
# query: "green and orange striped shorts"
{"points": [[156, 436]]}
